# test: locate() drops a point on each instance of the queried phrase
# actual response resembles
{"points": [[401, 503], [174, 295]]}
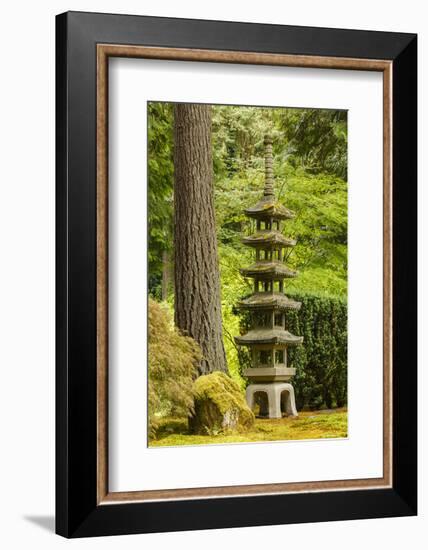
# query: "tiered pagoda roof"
{"points": [[268, 208], [268, 270], [268, 239], [263, 335], [265, 300]]}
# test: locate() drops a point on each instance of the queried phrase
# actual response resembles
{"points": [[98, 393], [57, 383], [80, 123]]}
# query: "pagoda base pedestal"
{"points": [[276, 393]]}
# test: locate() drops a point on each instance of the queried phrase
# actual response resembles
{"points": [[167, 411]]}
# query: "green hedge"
{"points": [[321, 362]]}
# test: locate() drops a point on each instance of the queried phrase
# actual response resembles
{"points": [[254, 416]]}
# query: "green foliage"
{"points": [[160, 188], [320, 226], [313, 139], [238, 134], [173, 360], [321, 362], [310, 158], [317, 139], [233, 286]]}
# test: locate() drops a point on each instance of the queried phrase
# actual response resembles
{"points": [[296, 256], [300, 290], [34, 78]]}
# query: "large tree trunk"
{"points": [[197, 279]]}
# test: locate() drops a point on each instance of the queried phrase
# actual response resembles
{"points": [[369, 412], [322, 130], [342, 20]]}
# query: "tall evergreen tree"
{"points": [[197, 279]]}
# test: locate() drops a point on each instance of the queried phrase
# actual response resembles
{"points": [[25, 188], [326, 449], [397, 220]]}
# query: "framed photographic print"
{"points": [[236, 274]]}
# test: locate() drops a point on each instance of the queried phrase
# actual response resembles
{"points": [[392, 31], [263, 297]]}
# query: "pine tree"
{"points": [[197, 279]]}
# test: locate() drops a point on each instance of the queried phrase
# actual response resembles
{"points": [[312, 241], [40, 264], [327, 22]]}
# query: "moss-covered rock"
{"points": [[220, 406]]}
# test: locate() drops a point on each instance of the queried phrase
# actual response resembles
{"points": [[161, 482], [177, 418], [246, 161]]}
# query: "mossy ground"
{"points": [[308, 425]]}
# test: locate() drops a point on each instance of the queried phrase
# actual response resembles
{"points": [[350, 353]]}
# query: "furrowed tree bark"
{"points": [[197, 278]]}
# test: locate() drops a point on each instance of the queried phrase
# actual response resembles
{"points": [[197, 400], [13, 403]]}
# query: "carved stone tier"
{"points": [[277, 394], [268, 271], [263, 300], [271, 336], [269, 374]]}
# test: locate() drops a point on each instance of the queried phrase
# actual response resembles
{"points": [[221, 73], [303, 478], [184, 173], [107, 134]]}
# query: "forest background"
{"points": [[310, 167]]}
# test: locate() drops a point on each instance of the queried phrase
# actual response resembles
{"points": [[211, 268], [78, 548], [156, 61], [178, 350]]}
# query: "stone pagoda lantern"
{"points": [[268, 338]]}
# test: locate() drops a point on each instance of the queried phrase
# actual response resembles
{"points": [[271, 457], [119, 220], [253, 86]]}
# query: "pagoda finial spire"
{"points": [[268, 191]]}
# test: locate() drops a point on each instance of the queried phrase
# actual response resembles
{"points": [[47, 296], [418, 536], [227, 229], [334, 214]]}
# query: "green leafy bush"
{"points": [[173, 360]]}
